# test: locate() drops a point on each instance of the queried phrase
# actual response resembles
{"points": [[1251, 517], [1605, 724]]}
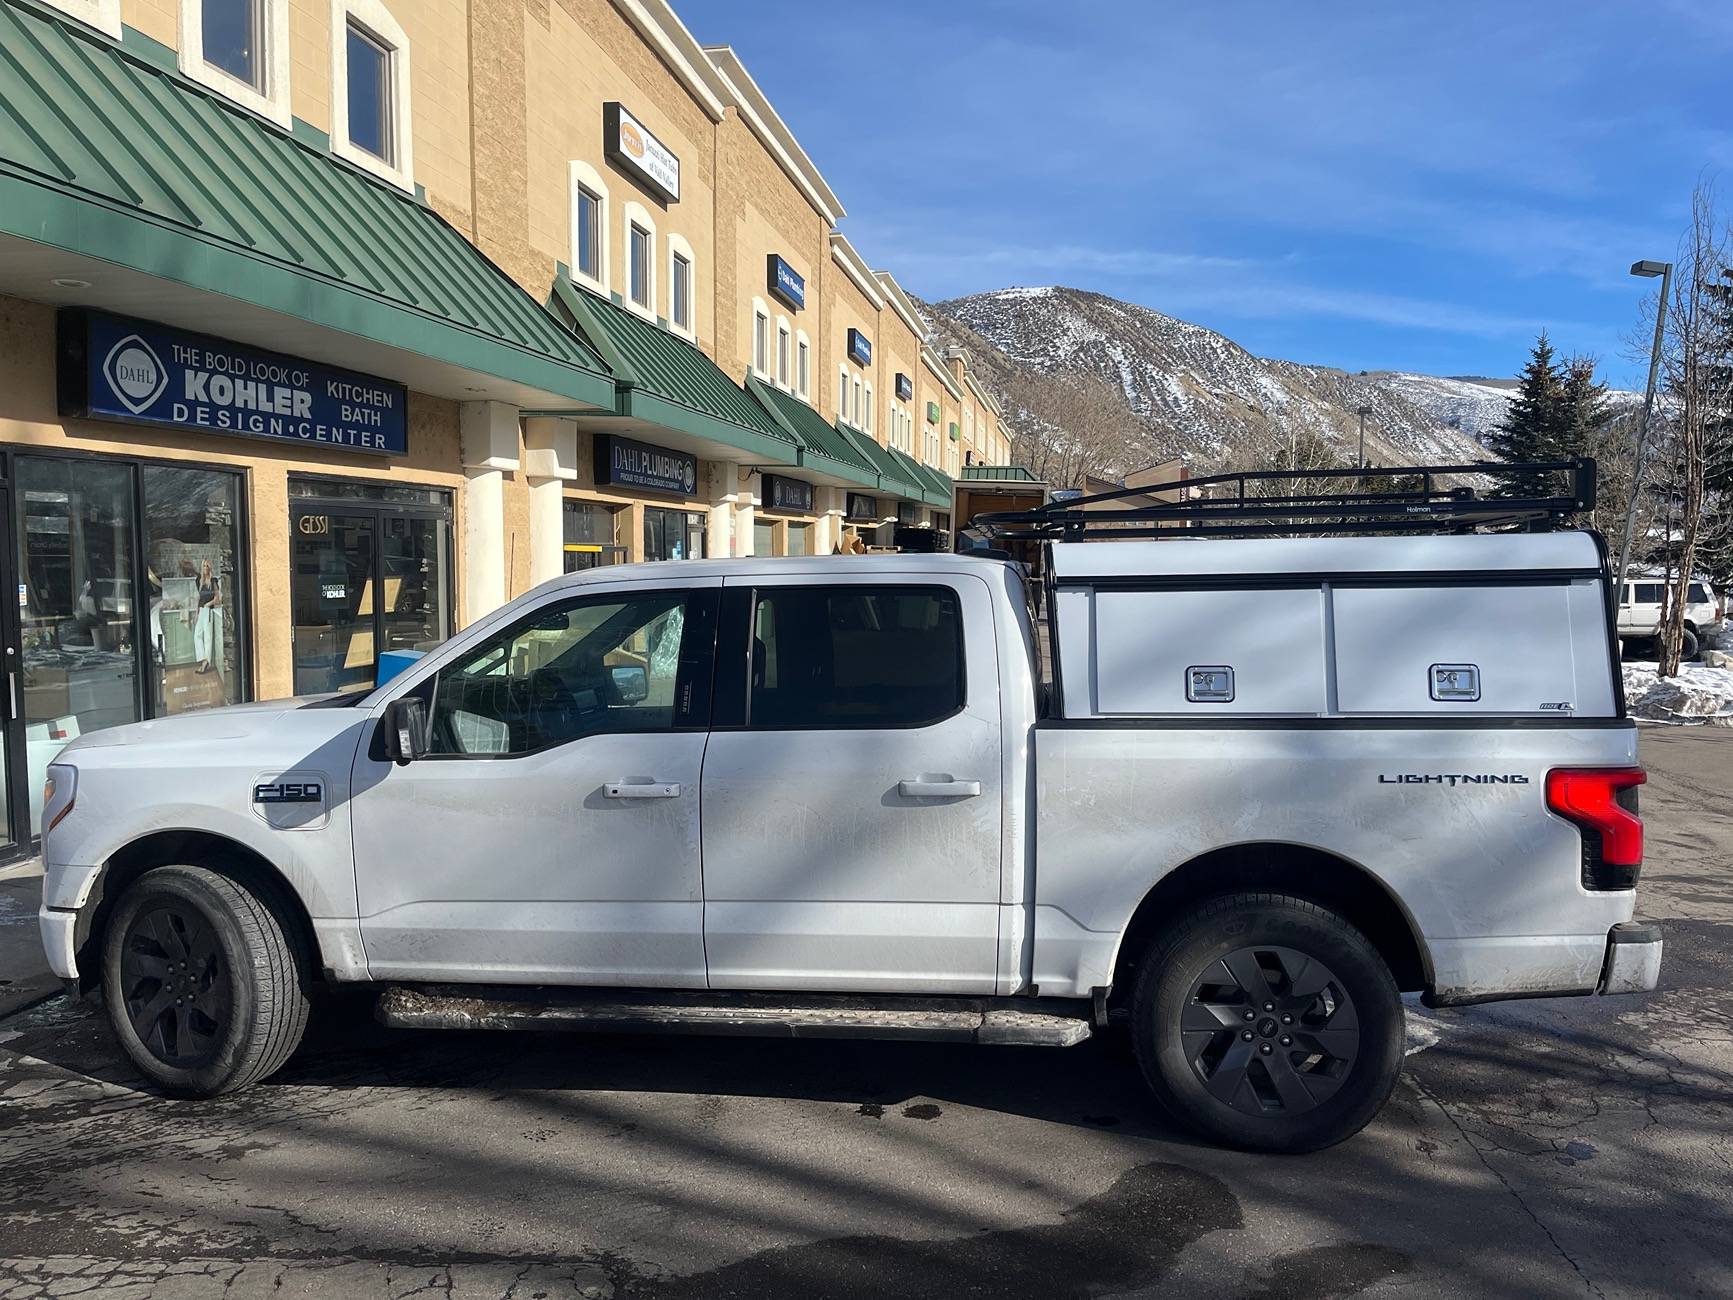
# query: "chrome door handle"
{"points": [[921, 789], [652, 790]]}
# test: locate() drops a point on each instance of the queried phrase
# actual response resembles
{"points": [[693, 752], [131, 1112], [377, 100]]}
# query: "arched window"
{"points": [[589, 227], [803, 364], [370, 123], [240, 49], [640, 263], [682, 287], [760, 339]]}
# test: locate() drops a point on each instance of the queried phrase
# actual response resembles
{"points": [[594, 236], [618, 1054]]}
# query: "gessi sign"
{"points": [[139, 372], [630, 146]]}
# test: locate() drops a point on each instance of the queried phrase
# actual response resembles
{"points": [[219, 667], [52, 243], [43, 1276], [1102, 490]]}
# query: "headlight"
{"points": [[58, 792]]}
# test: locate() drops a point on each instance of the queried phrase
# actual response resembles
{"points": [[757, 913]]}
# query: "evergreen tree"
{"points": [[1532, 428]]}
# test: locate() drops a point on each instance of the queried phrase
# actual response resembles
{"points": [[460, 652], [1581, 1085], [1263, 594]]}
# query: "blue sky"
{"points": [[1405, 184]]}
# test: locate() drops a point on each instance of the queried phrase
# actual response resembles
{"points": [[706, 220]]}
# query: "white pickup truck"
{"points": [[842, 797]]}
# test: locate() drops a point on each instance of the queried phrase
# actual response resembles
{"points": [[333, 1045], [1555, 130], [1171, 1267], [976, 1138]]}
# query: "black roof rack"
{"points": [[1414, 502]]}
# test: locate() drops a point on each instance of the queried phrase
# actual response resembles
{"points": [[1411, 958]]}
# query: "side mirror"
{"points": [[405, 726], [631, 683]]}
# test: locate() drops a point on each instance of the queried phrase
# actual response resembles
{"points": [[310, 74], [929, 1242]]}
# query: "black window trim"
{"points": [[697, 669], [732, 698]]}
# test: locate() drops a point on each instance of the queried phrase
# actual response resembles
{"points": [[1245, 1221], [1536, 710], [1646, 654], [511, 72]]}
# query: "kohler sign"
{"points": [[140, 372]]}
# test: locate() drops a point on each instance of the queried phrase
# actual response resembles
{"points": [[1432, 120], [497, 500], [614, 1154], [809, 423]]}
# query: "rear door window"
{"points": [[856, 657]]}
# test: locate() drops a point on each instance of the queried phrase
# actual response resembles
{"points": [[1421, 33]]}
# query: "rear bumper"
{"points": [[1624, 959], [1633, 962]]}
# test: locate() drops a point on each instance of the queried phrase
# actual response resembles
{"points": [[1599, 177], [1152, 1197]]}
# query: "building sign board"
{"points": [[932, 412], [630, 146], [860, 348], [787, 495], [784, 283], [905, 388], [626, 462], [863, 508], [140, 372]]}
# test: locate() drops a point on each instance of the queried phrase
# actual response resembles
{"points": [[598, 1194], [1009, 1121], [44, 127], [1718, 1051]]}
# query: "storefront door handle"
{"points": [[922, 788], [11, 697], [653, 790]]}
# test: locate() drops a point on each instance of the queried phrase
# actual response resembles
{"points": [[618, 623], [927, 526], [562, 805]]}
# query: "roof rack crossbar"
{"points": [[1404, 508]]}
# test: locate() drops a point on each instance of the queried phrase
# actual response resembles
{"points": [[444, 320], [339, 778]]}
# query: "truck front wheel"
{"points": [[1267, 1023], [202, 981]]}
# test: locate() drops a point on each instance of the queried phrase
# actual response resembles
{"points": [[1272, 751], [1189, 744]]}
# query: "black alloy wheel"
{"points": [[176, 990], [1267, 1022], [1270, 1031], [205, 977]]}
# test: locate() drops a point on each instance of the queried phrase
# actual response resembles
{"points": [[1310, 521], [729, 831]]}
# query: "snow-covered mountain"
{"points": [[1187, 390]]}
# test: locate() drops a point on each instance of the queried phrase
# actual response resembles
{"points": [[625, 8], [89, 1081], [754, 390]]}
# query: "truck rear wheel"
{"points": [[1267, 1023], [203, 983]]}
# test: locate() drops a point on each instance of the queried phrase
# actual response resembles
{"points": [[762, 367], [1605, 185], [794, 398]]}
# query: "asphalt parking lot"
{"points": [[1535, 1149]]}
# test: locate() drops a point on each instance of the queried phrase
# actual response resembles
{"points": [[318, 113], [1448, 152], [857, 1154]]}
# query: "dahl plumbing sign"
{"points": [[139, 372]]}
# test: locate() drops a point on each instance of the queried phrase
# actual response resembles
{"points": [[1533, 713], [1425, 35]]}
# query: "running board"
{"points": [[1016, 1022]]}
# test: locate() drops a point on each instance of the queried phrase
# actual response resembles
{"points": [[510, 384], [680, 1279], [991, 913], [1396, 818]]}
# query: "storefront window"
{"points": [[77, 606], [195, 598], [673, 534], [592, 535], [763, 537], [799, 539]]}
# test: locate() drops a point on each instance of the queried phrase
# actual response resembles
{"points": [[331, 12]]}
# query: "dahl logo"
{"points": [[134, 373], [690, 476]]}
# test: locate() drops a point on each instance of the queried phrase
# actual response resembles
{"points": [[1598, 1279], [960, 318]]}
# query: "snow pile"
{"points": [[1698, 696]]}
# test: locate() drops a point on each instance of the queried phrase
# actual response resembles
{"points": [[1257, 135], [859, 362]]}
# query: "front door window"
{"points": [[332, 559]]}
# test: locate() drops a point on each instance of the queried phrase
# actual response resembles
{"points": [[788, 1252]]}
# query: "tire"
{"points": [[1689, 645], [203, 982], [1192, 1014]]}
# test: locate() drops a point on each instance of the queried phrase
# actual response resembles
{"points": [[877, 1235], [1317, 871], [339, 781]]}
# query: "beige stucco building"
{"points": [[329, 326]]}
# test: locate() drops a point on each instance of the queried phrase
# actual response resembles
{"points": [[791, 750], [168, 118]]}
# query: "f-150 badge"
{"points": [[288, 792]]}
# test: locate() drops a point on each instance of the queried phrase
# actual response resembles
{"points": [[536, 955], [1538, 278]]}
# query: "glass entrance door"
{"points": [[332, 559], [365, 578]]}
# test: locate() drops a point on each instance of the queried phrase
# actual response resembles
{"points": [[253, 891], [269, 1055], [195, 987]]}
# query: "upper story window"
{"points": [[587, 232], [589, 227], [782, 341], [638, 277], [761, 342], [868, 419], [370, 94], [640, 260], [239, 48], [370, 90], [680, 292], [803, 367], [859, 417], [234, 36], [843, 409]]}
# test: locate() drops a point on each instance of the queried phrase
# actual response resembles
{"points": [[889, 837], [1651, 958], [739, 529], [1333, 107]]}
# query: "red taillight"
{"points": [[1604, 801]]}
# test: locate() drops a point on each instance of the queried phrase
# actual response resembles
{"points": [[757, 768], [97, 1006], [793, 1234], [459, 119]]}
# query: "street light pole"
{"points": [[1647, 270], [1363, 412]]}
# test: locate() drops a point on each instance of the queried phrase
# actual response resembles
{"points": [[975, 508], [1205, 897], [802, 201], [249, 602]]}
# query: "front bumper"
{"points": [[1633, 962]]}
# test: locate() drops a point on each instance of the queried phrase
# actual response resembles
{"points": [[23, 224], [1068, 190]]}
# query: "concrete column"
{"points": [[550, 462], [488, 433], [724, 495], [827, 533]]}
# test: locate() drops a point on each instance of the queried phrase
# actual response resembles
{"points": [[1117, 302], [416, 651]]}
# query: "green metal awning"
{"points": [[937, 484], [894, 479], [930, 485], [998, 474], [824, 447], [198, 212], [665, 381]]}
